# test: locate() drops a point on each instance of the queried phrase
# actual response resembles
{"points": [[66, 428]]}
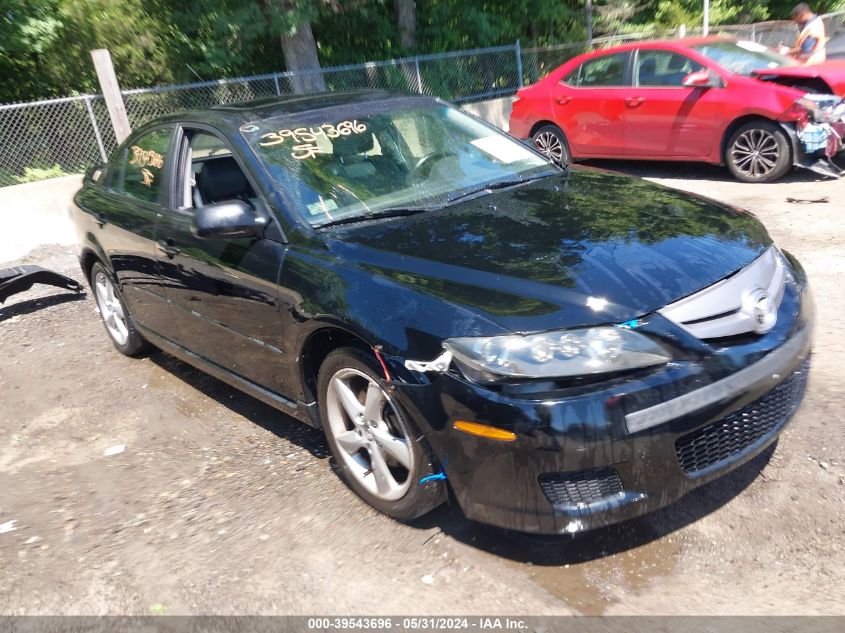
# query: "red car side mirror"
{"points": [[703, 79]]}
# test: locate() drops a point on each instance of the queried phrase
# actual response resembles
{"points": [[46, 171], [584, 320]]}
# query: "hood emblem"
{"points": [[760, 306]]}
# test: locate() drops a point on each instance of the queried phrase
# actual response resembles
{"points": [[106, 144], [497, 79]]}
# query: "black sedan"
{"points": [[555, 350]]}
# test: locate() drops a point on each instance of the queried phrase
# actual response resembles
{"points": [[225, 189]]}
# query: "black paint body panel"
{"points": [[584, 247]]}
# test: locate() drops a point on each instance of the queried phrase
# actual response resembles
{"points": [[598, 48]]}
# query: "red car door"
{"points": [[589, 105], [665, 118]]}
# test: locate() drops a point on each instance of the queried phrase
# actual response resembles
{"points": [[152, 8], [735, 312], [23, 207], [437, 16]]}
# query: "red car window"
{"points": [[609, 70], [663, 68]]}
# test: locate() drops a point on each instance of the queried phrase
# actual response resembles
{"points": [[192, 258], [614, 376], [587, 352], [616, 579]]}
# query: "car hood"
{"points": [[812, 70], [833, 72], [581, 248]]}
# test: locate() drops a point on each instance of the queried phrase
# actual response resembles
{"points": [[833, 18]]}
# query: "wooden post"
{"points": [[111, 93]]}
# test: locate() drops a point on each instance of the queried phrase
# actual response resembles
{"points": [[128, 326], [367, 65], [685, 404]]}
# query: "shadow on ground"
{"points": [[538, 550], [579, 548], [34, 305], [697, 171], [238, 402]]}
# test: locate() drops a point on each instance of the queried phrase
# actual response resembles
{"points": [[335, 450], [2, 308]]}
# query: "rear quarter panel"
{"points": [[121, 233], [534, 102]]}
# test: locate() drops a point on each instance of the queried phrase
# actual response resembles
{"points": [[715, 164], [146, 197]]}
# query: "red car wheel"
{"points": [[551, 142], [758, 152]]}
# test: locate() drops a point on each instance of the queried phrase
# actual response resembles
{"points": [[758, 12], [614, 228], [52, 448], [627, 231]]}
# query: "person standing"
{"points": [[810, 45]]}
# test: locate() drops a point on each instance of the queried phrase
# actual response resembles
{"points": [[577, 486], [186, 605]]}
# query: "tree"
{"points": [[45, 45], [300, 52], [27, 30], [298, 44], [628, 16], [406, 19], [219, 38]]}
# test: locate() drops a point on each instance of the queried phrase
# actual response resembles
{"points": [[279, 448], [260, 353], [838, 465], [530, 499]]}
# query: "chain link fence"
{"points": [[64, 136], [772, 34]]}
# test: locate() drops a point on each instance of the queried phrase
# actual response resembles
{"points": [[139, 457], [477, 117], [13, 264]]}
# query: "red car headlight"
{"points": [[797, 113]]}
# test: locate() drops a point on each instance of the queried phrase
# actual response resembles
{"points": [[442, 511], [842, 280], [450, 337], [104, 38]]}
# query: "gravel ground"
{"points": [[219, 504]]}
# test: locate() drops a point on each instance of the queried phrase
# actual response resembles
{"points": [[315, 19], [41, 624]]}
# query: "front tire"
{"points": [[758, 152], [116, 318], [550, 141], [377, 452]]}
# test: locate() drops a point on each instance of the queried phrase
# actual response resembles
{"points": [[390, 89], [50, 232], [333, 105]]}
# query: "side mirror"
{"points": [[230, 218], [703, 79]]}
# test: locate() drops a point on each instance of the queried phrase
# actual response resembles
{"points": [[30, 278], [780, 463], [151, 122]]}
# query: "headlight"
{"points": [[583, 352], [822, 108]]}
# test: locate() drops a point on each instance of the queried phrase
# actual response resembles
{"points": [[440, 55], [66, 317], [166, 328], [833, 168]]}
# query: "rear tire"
{"points": [[116, 318], [551, 142], [376, 449], [758, 152]]}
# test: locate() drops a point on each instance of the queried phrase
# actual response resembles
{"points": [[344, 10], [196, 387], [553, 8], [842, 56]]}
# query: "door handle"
{"points": [[563, 100], [167, 247], [634, 101]]}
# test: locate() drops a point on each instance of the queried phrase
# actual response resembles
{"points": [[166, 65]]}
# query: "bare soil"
{"points": [[219, 504]]}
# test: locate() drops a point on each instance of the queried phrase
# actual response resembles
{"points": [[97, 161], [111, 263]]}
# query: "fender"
{"points": [[795, 144]]}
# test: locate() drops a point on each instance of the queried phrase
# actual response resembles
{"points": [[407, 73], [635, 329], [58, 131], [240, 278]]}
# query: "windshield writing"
{"points": [[333, 168]]}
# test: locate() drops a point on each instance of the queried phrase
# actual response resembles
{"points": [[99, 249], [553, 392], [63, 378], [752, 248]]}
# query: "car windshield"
{"points": [[743, 57], [402, 155]]}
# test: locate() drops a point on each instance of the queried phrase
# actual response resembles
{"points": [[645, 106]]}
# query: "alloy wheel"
{"points": [[755, 153], [367, 427], [550, 146], [111, 309]]}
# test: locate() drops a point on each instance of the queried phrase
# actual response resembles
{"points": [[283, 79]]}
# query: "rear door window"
{"points": [[140, 168], [608, 70]]}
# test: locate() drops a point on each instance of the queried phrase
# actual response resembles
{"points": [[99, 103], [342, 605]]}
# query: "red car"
{"points": [[715, 100]]}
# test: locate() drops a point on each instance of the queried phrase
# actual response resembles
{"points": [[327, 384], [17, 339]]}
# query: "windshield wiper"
{"points": [[374, 215], [490, 187]]}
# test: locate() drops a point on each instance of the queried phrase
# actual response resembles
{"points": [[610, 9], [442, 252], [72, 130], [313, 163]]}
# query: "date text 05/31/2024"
{"points": [[417, 623]]}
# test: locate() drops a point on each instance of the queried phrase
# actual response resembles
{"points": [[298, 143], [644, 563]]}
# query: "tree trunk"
{"points": [[406, 18], [300, 52]]}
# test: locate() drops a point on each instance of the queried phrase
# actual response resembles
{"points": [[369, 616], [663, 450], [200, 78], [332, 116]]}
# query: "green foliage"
{"points": [[454, 24], [629, 16], [674, 12], [45, 44], [32, 174]]}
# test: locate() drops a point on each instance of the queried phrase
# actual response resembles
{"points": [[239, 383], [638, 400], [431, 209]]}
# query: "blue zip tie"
{"points": [[630, 325], [435, 477]]}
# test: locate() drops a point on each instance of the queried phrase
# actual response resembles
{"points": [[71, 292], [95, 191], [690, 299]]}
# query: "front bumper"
{"points": [[589, 457], [818, 146]]}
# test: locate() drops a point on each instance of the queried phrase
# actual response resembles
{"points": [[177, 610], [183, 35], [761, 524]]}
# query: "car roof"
{"points": [[686, 42], [233, 115]]}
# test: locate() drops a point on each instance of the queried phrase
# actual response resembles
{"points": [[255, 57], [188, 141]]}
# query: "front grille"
{"points": [[725, 438], [581, 487], [728, 307]]}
